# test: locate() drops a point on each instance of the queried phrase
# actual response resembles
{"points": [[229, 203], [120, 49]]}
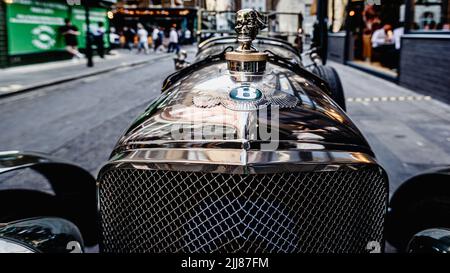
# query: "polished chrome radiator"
{"points": [[175, 211]]}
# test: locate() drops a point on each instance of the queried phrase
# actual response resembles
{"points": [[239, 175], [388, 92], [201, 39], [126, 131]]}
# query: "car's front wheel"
{"points": [[330, 75]]}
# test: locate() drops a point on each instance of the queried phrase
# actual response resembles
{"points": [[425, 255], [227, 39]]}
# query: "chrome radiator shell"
{"points": [[165, 211], [318, 190]]}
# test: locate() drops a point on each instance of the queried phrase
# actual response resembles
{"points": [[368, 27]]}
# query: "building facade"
{"points": [[406, 41], [29, 29]]}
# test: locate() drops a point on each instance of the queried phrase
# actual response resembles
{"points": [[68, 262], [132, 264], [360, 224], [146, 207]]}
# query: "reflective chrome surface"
{"points": [[237, 161], [195, 121], [315, 120], [220, 144], [435, 240], [47, 235], [10, 246], [158, 211], [73, 187], [13, 160]]}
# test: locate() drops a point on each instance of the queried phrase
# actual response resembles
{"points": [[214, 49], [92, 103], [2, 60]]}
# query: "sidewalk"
{"points": [[26, 78], [409, 132]]}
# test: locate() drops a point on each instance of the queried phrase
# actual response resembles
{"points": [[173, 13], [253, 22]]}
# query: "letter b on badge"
{"points": [[245, 93]]}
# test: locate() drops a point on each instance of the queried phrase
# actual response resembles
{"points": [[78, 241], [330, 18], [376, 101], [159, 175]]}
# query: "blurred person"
{"points": [[142, 39], [299, 40], [161, 36], [315, 41], [70, 33], [173, 41], [371, 18], [398, 32], [156, 39], [114, 38], [431, 26], [180, 36], [188, 36], [274, 25], [129, 34], [150, 41], [371, 26], [383, 46], [427, 21], [99, 35], [383, 36]]}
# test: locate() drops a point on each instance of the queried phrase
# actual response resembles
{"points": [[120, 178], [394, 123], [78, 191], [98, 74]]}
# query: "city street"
{"points": [[408, 132], [81, 120]]}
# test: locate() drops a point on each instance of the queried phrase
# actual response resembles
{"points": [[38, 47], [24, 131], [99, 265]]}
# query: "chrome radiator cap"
{"points": [[246, 58]]}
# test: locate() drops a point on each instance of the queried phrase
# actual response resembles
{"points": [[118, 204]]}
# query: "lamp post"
{"points": [[89, 54], [322, 10]]}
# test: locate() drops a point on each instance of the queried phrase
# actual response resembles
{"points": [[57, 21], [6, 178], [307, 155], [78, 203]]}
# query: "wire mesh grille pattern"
{"points": [[168, 211]]}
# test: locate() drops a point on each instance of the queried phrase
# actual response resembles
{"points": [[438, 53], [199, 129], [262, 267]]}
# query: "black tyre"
{"points": [[330, 75], [420, 203]]}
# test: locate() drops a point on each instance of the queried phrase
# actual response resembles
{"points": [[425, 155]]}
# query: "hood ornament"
{"points": [[246, 58], [248, 24]]}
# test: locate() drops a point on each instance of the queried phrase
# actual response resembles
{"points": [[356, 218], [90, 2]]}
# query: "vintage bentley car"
{"points": [[245, 150]]}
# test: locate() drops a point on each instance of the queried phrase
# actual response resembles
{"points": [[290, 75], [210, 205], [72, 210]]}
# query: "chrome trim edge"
{"points": [[238, 161]]}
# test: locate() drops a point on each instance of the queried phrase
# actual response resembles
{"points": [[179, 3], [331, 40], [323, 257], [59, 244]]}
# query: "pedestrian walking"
{"points": [[299, 40], [173, 41], [156, 39], [188, 36], [180, 37], [161, 36], [99, 41], [143, 39], [70, 33], [129, 34], [114, 38]]}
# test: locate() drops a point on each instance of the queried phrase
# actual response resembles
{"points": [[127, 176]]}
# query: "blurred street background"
{"points": [[70, 91]]}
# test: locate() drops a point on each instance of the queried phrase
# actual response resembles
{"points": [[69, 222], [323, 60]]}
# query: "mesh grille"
{"points": [[168, 211]]}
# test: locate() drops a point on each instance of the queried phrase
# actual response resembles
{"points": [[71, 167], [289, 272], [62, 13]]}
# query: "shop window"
{"points": [[375, 31], [430, 15]]}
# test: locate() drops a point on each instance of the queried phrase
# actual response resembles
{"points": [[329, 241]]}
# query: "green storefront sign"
{"points": [[96, 15], [33, 26]]}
